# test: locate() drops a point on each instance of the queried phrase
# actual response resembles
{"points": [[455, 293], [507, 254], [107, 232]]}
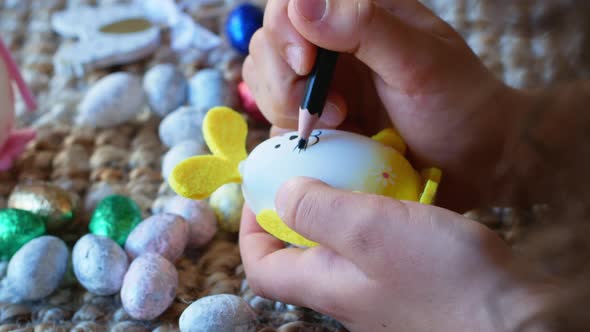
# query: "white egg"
{"points": [[99, 264], [343, 160], [37, 269], [218, 313]]}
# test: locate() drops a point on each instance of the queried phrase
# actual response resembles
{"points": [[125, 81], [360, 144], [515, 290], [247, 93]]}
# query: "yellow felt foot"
{"points": [[198, 177], [270, 221], [391, 138], [431, 178]]}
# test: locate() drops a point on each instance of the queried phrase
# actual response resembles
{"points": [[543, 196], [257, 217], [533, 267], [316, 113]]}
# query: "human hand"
{"points": [[401, 65], [385, 265]]}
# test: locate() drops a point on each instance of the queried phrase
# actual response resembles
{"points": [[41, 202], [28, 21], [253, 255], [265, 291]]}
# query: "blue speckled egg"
{"points": [[241, 24]]}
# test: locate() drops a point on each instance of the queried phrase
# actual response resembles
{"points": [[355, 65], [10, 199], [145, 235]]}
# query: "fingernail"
{"points": [[295, 58], [311, 10], [332, 116]]}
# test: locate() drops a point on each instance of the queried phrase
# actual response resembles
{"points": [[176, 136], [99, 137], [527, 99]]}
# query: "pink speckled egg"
{"points": [[149, 287], [165, 234], [200, 217]]}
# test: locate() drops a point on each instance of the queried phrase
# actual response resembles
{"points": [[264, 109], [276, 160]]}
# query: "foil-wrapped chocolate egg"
{"points": [[51, 202], [242, 22], [115, 217], [17, 227]]}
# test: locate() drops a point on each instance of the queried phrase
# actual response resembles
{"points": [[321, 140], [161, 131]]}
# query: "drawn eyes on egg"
{"points": [[313, 139]]}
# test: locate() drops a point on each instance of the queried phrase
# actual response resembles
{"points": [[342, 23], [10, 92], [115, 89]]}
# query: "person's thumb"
{"points": [[394, 50], [355, 225]]}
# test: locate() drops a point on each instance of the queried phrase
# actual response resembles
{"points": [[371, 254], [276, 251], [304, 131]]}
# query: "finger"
{"points": [[292, 47], [278, 90], [415, 13], [278, 131], [400, 54], [317, 278], [354, 225]]}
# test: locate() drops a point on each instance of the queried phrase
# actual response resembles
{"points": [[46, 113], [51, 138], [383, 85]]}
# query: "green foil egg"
{"points": [[227, 202], [17, 227], [115, 217]]}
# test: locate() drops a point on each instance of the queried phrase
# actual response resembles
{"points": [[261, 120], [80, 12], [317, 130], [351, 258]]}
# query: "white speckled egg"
{"points": [[218, 313], [114, 99], [208, 88], [165, 234], [99, 264], [199, 216], [181, 125], [149, 286], [37, 268], [166, 88], [179, 153]]}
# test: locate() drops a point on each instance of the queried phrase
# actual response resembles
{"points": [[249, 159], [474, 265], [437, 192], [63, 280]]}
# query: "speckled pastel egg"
{"points": [[198, 214], [179, 153], [218, 313], [37, 269], [165, 234], [49, 201], [227, 202], [115, 217], [18, 227], [242, 22], [113, 100], [208, 88], [182, 125], [149, 286], [166, 88], [99, 264]]}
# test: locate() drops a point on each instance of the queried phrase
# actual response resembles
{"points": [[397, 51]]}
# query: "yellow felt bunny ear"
{"points": [[225, 132]]}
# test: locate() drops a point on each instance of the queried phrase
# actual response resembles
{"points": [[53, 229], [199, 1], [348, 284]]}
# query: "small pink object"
{"points": [[12, 142], [249, 104]]}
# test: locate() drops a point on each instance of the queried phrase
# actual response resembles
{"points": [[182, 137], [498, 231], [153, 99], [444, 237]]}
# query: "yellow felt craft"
{"points": [[342, 159], [270, 221], [391, 138], [431, 178], [198, 177], [225, 133]]}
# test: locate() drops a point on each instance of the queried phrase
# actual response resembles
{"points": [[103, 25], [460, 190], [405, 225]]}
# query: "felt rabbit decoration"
{"points": [[342, 159]]}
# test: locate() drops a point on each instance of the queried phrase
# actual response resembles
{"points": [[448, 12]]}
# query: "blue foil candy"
{"points": [[241, 24]]}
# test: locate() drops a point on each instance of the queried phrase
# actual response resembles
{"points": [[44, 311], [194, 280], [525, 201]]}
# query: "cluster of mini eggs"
{"points": [[121, 253]]}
